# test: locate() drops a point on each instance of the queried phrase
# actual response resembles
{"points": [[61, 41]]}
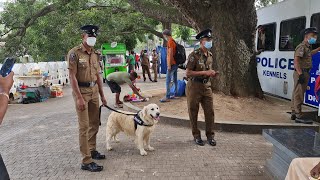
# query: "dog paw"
{"points": [[143, 153], [109, 148], [150, 148], [116, 140]]}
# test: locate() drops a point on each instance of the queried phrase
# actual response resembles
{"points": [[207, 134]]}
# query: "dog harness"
{"points": [[138, 121]]}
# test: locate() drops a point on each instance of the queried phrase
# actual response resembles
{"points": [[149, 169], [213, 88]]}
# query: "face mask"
{"points": [[312, 40], [91, 41], [208, 44]]}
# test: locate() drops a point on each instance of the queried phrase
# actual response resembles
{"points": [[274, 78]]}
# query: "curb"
{"points": [[229, 126]]}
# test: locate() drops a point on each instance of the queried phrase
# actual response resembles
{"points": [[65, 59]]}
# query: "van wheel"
{"points": [[66, 81], [59, 82]]}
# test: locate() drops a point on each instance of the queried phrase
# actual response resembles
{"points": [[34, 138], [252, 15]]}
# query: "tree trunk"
{"points": [[233, 24], [166, 25]]}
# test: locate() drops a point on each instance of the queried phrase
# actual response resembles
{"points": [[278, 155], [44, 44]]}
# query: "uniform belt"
{"points": [[201, 80], [87, 84], [307, 70]]}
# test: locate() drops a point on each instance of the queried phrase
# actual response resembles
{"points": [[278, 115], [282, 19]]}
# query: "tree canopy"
{"points": [[47, 29]]}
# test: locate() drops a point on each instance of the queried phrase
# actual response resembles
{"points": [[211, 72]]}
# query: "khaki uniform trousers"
{"points": [[88, 123], [145, 69], [155, 70], [300, 168], [199, 93], [298, 93]]}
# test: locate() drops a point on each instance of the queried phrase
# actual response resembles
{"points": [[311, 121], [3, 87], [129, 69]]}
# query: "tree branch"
{"points": [[159, 12]]}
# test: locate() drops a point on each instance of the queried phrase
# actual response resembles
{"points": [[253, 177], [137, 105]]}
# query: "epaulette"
{"points": [[97, 52]]}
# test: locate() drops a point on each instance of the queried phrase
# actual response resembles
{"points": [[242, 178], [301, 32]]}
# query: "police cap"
{"points": [[204, 34], [90, 29], [311, 30]]}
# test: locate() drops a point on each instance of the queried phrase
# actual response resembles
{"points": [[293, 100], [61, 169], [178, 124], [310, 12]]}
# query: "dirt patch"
{"points": [[226, 108]]}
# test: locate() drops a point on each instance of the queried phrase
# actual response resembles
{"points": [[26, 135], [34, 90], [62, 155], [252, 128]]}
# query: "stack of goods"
{"points": [[56, 91], [36, 72]]}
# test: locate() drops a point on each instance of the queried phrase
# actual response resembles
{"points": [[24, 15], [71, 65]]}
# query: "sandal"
{"points": [[163, 100], [118, 106]]}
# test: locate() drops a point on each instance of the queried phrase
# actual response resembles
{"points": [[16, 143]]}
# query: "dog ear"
{"points": [[144, 111]]}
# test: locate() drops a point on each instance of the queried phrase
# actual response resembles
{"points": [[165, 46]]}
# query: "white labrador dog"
{"points": [[117, 122]]}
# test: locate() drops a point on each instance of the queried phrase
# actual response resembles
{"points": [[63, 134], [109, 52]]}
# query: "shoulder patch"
{"points": [[72, 57], [191, 58]]}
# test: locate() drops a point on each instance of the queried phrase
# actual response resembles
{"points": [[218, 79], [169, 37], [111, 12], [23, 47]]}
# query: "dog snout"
{"points": [[158, 114]]}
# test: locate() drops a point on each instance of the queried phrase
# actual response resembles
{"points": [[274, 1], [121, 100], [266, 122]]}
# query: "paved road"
{"points": [[40, 141]]}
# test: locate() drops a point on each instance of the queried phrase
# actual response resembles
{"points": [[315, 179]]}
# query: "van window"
{"points": [[291, 33], [315, 22], [266, 37]]}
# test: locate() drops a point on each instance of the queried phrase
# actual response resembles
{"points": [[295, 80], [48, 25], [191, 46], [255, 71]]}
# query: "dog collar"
{"points": [[138, 121]]}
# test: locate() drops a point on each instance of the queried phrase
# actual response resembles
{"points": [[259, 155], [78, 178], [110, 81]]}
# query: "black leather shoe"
{"points": [[212, 142], [304, 121], [96, 155], [199, 141], [151, 80], [293, 116], [93, 167]]}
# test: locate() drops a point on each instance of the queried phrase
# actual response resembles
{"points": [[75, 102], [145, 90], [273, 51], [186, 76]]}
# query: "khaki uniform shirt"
{"points": [[155, 58], [85, 66], [145, 60], [197, 61], [303, 51]]}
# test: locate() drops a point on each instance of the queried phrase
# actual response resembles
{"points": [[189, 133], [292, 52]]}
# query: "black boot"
{"points": [[212, 142], [199, 141], [93, 167], [96, 155], [293, 116]]}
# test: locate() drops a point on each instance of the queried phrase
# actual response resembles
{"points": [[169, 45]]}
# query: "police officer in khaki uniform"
{"points": [[302, 66], [155, 58], [199, 72], [86, 84]]}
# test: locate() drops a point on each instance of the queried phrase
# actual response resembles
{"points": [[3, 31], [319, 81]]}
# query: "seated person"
{"points": [[303, 168], [115, 79]]}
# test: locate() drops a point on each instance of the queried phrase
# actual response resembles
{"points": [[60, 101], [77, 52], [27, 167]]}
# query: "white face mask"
{"points": [[91, 41]]}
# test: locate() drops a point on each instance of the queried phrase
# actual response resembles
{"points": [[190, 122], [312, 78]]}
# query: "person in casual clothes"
{"points": [[131, 62], [5, 86], [155, 58], [115, 79], [145, 64], [137, 66], [172, 67]]}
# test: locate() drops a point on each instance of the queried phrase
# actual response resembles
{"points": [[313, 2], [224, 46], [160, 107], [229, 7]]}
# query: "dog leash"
{"points": [[110, 108]]}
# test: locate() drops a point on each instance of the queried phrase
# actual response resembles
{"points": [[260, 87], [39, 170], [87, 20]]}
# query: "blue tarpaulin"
{"points": [[163, 65]]}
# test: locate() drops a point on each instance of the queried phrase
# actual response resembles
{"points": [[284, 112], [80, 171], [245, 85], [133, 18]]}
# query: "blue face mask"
{"points": [[208, 44], [312, 40]]}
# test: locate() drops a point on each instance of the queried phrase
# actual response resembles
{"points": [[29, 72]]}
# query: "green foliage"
{"points": [[182, 32], [52, 35], [264, 3]]}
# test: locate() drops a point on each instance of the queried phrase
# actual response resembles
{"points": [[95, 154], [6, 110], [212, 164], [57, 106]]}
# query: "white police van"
{"points": [[282, 24]]}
